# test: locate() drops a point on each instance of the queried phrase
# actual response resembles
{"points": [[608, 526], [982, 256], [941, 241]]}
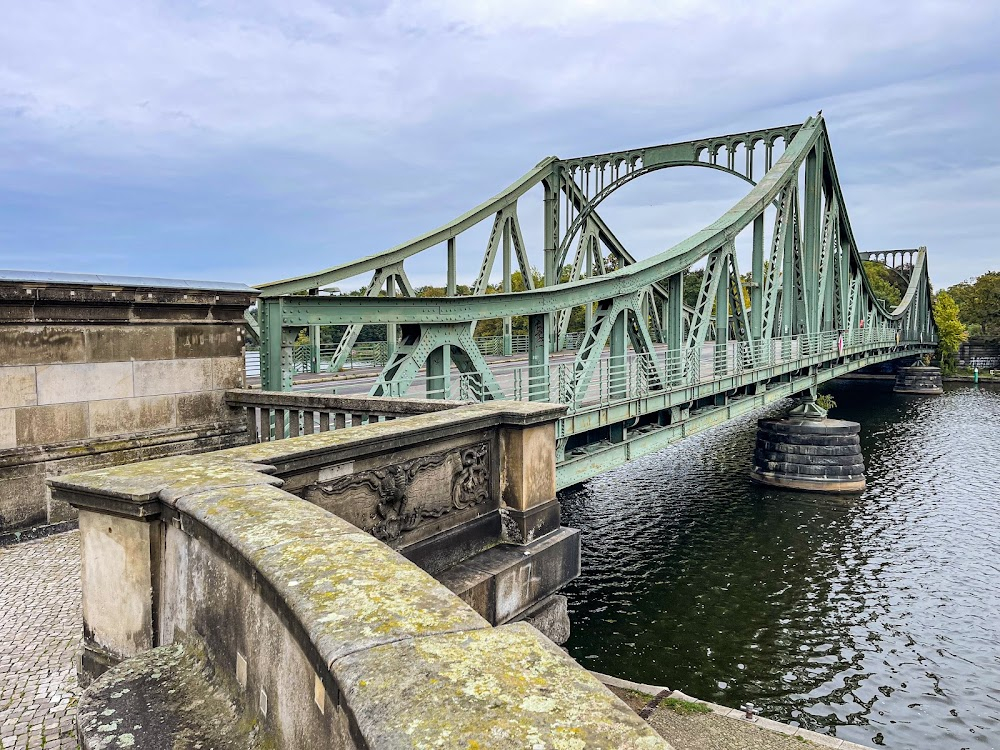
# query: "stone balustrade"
{"points": [[232, 574], [276, 415]]}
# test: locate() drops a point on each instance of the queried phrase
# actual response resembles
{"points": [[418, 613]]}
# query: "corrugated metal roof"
{"points": [[94, 279]]}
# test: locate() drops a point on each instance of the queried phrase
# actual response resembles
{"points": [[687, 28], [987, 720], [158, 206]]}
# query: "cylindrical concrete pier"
{"points": [[815, 455], [921, 380]]}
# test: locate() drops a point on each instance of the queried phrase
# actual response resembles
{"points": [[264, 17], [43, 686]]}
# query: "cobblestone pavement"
{"points": [[40, 625]]}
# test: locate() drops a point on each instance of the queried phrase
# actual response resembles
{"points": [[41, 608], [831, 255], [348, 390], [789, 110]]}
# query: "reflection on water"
{"points": [[874, 618]]}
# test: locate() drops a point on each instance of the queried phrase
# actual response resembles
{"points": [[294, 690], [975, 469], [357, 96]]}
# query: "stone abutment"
{"points": [[357, 588]]}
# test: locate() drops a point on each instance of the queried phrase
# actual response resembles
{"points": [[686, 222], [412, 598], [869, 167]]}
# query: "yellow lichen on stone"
{"points": [[497, 699]]}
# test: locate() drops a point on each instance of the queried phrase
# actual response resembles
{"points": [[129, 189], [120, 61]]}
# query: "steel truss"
{"points": [[807, 280]]}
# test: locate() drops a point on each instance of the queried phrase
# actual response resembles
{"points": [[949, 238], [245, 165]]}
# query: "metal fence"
{"points": [[374, 354], [635, 375]]}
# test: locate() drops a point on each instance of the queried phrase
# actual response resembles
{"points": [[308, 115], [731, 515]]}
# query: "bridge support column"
{"points": [[675, 327], [925, 381], [538, 356], [314, 345], [618, 371], [390, 328], [807, 451], [439, 373], [722, 323]]}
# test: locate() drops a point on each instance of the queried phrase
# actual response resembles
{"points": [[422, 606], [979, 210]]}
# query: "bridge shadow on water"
{"points": [[871, 617]]}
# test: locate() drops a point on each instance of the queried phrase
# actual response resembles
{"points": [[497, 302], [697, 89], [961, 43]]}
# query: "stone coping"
{"points": [[29, 454], [52, 278], [379, 630], [147, 483]]}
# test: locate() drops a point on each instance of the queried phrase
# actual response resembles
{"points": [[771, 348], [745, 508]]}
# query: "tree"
{"points": [[692, 286], [882, 282], [964, 294], [951, 331], [978, 301], [987, 302]]}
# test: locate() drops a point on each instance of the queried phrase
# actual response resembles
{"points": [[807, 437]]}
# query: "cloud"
{"points": [[294, 135]]}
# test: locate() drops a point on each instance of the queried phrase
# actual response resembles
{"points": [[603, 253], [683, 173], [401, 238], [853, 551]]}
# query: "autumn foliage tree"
{"points": [[951, 331], [978, 301]]}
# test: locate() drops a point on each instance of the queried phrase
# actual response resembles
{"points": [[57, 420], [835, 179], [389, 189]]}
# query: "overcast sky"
{"points": [[249, 140]]}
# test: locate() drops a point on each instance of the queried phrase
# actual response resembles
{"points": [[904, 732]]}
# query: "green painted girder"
{"points": [[595, 416], [342, 310], [671, 154], [418, 343], [604, 456], [803, 281]]}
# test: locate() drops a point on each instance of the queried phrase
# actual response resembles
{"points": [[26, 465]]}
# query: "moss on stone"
{"points": [[352, 592], [504, 687]]}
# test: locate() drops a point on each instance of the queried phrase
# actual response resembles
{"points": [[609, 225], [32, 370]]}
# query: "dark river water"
{"points": [[875, 618]]}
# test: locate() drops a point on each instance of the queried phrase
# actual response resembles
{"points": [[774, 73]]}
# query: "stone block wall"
{"points": [[97, 371]]}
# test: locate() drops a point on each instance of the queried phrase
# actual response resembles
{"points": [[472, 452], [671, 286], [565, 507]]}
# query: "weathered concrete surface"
{"points": [[39, 636], [551, 618], [429, 486], [494, 688], [114, 548], [528, 472], [320, 633]]}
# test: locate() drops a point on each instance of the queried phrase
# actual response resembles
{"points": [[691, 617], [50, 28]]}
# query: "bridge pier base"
{"points": [[925, 381], [807, 451]]}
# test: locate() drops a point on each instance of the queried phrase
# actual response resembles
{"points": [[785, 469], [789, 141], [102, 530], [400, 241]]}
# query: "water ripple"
{"points": [[871, 618]]}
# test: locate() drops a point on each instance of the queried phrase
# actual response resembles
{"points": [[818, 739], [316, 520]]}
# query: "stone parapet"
{"points": [[319, 634], [101, 370]]}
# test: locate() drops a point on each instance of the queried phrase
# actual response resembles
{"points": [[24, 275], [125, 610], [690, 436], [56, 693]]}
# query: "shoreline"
{"points": [[732, 718]]}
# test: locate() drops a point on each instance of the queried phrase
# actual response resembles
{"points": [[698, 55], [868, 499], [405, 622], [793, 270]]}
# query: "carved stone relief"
{"points": [[390, 501]]}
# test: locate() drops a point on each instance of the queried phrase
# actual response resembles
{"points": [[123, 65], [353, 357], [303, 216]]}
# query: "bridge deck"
{"points": [[512, 374]]}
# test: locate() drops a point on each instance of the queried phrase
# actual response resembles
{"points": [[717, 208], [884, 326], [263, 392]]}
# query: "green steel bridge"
{"points": [[646, 370]]}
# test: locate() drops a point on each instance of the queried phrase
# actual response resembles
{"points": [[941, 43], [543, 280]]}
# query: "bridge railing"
{"points": [[636, 375], [374, 354], [274, 415]]}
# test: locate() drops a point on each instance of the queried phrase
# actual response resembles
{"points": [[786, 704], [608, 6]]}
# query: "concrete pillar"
{"points": [[807, 451], [528, 480], [925, 381], [119, 576]]}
